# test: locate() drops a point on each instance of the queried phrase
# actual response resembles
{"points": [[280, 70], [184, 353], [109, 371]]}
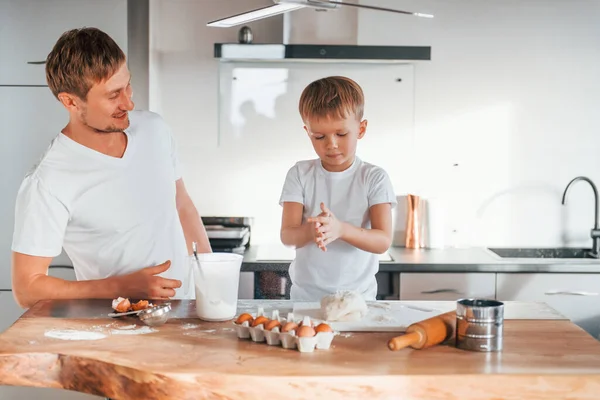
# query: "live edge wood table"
{"points": [[544, 356]]}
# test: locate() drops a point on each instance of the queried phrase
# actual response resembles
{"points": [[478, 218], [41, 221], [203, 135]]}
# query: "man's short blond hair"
{"points": [[81, 58], [335, 97]]}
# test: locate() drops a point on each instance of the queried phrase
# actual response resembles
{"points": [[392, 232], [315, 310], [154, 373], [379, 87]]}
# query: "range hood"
{"points": [[310, 35], [316, 52]]}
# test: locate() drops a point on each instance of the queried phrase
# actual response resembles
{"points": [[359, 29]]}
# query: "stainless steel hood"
{"points": [[316, 52], [321, 36]]}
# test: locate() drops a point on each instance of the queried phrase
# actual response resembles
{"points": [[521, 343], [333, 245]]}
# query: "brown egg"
{"points": [[260, 320], [289, 326], [323, 327], [243, 318], [305, 331], [272, 324], [312, 324]]}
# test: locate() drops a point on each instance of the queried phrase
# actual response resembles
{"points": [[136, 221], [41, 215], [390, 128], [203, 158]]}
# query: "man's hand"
{"points": [[144, 284], [327, 228]]}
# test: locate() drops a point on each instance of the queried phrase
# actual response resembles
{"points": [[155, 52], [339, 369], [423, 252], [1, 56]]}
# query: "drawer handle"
{"points": [[440, 291], [36, 62], [570, 293]]}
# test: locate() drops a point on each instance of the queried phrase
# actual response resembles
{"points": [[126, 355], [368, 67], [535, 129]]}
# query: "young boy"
{"points": [[337, 209]]}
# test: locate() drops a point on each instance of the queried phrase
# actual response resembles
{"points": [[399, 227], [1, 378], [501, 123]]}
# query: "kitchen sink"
{"points": [[563, 253]]}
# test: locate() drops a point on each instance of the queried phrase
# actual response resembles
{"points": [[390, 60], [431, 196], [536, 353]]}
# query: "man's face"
{"points": [[108, 103]]}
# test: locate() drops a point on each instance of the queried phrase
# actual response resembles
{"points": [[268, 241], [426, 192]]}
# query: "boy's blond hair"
{"points": [[335, 97], [79, 59]]}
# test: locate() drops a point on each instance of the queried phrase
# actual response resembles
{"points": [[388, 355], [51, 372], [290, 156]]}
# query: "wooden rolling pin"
{"points": [[427, 333]]}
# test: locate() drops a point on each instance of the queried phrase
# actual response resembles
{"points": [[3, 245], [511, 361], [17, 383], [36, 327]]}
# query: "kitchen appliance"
{"points": [[285, 6], [335, 40], [479, 324], [228, 234]]}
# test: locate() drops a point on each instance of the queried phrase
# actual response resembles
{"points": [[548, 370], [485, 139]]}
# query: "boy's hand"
{"points": [[328, 227], [317, 236], [315, 233]]}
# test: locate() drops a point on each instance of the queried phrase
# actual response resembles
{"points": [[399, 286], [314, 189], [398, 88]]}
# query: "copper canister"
{"points": [[414, 222]]}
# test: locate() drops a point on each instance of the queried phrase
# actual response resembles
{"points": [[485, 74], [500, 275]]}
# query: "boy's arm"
{"points": [[293, 231], [377, 240]]}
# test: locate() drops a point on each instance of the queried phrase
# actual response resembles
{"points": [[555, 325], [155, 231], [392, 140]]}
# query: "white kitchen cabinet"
{"points": [[30, 28], [31, 117], [576, 296], [446, 286]]}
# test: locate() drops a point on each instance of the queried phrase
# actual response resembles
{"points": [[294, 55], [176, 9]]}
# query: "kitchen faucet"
{"points": [[595, 233]]}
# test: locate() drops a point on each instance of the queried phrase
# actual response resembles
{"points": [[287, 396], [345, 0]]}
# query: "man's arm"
{"points": [[192, 225], [30, 283]]}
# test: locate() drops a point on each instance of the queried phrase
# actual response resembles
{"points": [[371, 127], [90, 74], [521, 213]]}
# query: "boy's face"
{"points": [[334, 140]]}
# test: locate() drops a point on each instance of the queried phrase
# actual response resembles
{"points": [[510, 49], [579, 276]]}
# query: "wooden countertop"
{"points": [[191, 359]]}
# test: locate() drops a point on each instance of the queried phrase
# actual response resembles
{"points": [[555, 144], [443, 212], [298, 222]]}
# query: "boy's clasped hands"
{"points": [[326, 228]]}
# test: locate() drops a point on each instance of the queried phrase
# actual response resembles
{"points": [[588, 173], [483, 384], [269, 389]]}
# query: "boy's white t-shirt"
{"points": [[349, 195], [113, 216]]}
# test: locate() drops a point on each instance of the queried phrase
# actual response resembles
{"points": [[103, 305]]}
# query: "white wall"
{"points": [[184, 84], [511, 96]]}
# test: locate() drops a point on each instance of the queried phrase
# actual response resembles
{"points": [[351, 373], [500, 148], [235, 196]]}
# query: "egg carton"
{"points": [[288, 340]]}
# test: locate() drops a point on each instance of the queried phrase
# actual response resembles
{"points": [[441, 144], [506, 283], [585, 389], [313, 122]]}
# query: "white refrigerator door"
{"points": [[30, 117]]}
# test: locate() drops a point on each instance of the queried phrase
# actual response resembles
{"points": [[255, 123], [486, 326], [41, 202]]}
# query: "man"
{"points": [[108, 189]]}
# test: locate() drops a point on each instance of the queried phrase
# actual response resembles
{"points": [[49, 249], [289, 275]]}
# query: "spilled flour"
{"points": [[129, 330], [127, 327], [384, 306], [189, 326], [72, 334], [97, 333], [383, 319]]}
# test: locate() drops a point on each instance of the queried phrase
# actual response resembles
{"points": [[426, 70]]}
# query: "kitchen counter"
{"points": [[544, 356], [476, 259]]}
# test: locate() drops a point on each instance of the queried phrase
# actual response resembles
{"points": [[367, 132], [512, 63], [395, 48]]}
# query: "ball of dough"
{"points": [[344, 305]]}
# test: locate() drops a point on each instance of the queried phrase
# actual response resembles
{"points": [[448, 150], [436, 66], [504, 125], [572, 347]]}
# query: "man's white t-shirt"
{"points": [[112, 216], [349, 195]]}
